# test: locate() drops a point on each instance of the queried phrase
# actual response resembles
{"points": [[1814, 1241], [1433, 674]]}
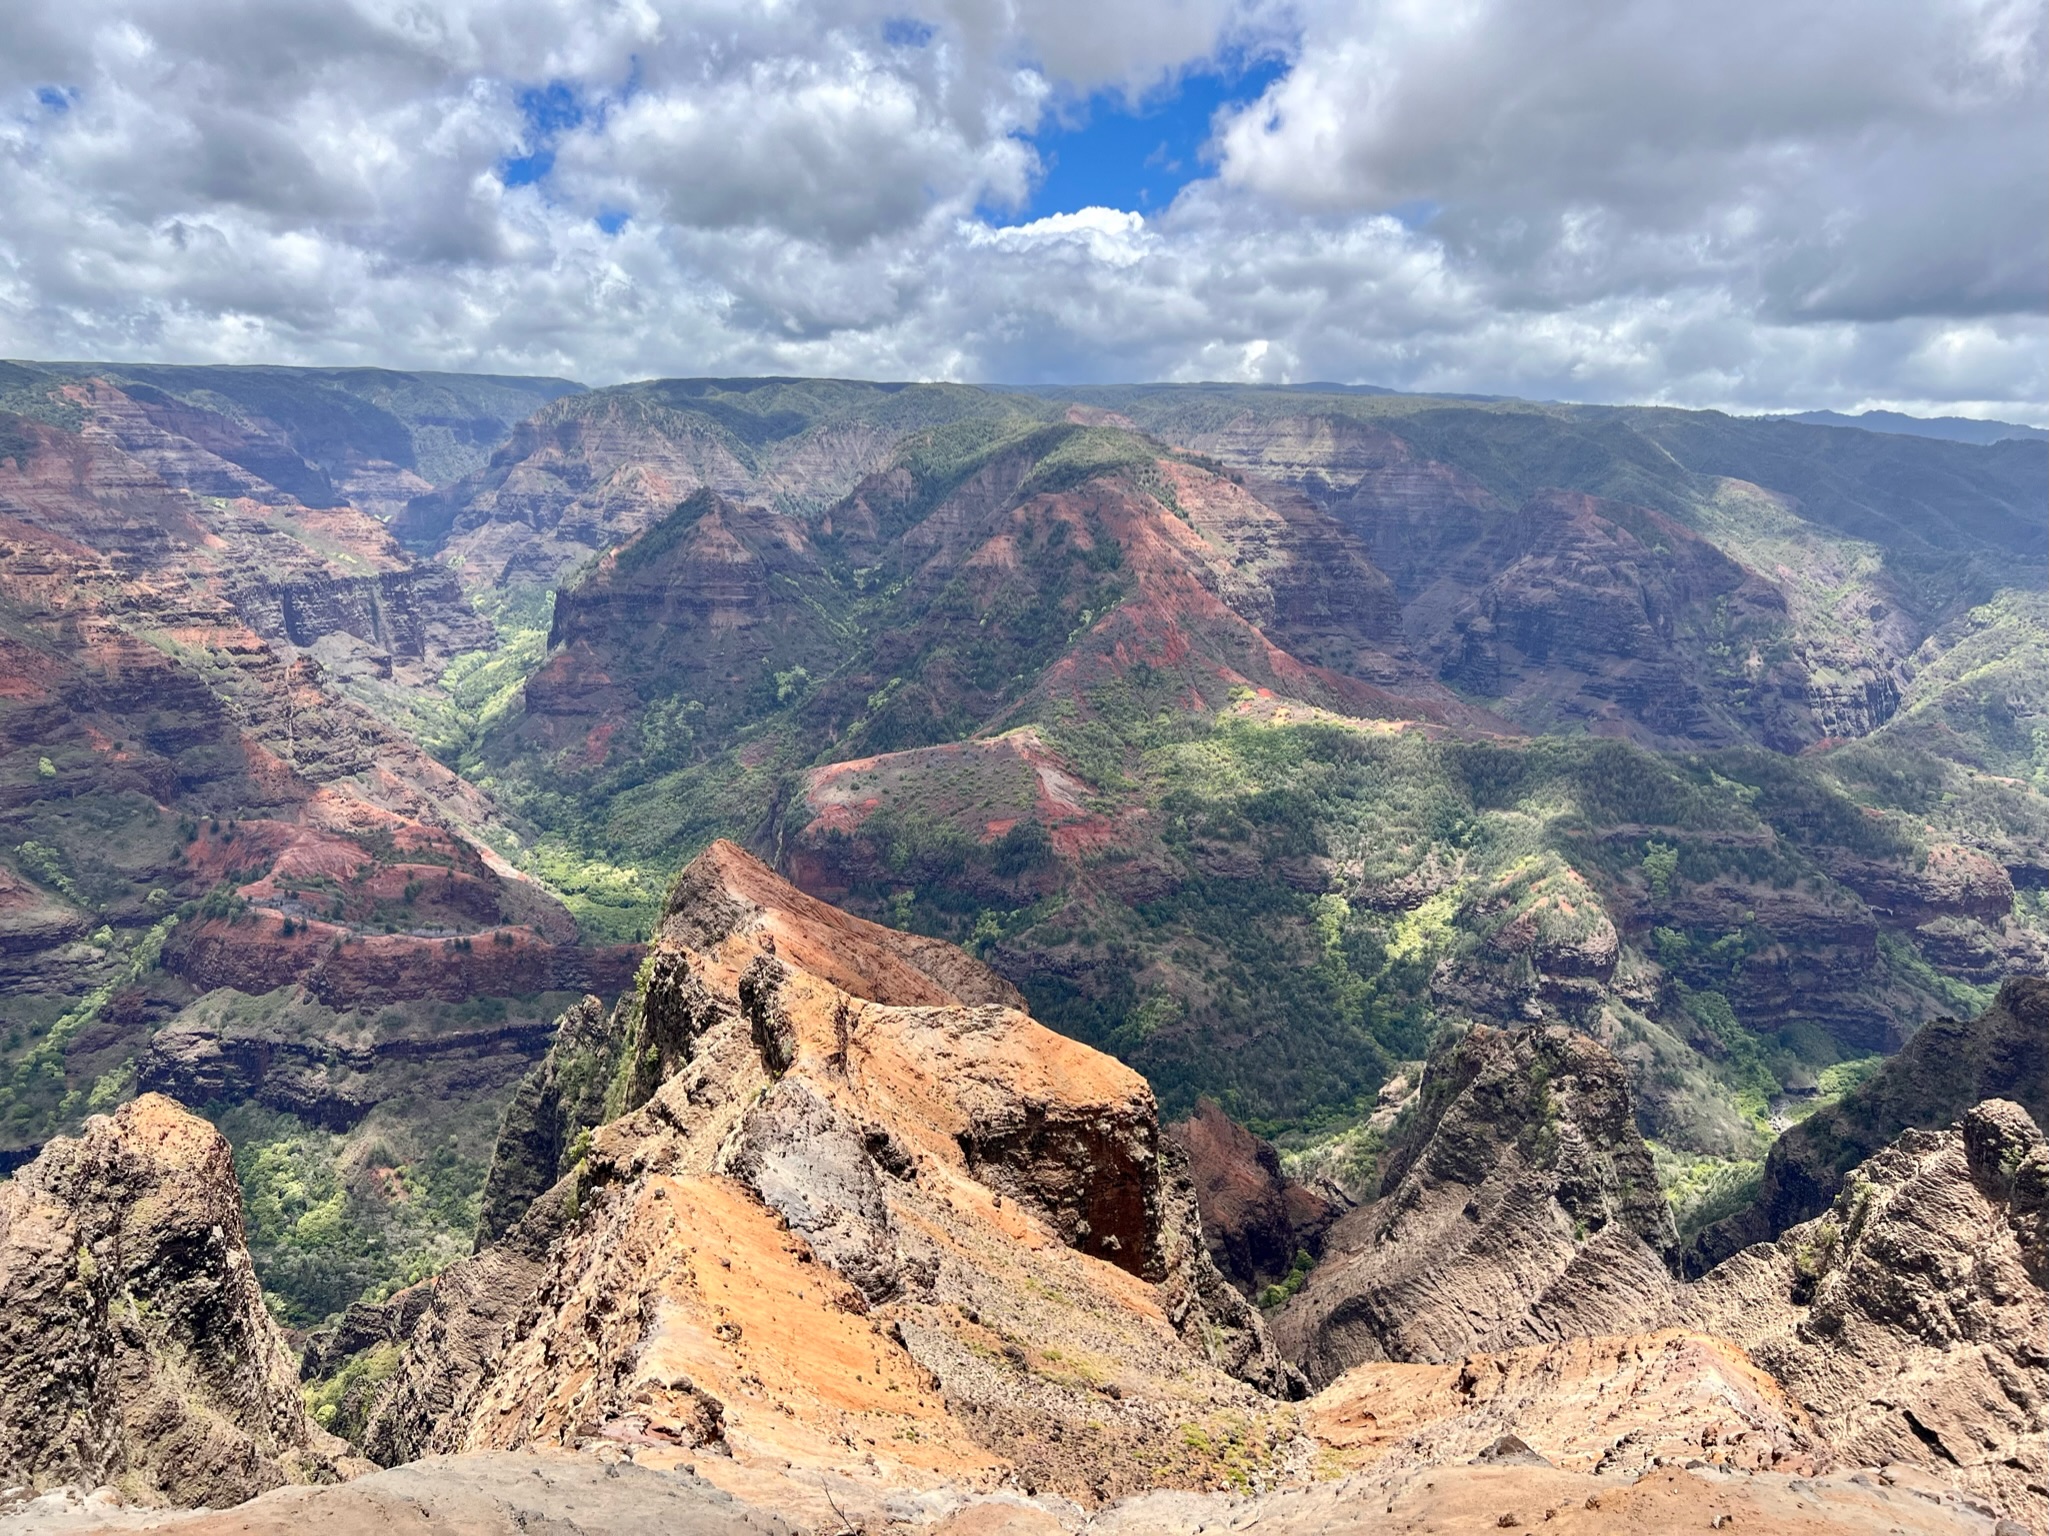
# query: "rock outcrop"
{"points": [[1910, 1319], [1256, 1220], [562, 1098], [1607, 1405], [857, 1207], [1950, 1065], [1520, 1207], [330, 1083], [134, 1344]]}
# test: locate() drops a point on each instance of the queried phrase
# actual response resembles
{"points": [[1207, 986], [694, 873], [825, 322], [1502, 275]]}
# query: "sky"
{"points": [[1754, 205]]}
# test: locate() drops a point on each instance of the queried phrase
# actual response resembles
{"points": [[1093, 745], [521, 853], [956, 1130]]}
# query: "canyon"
{"points": [[1236, 949]]}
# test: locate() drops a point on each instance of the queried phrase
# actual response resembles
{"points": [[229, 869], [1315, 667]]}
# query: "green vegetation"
{"points": [[1845, 1077], [333, 1219], [1278, 1294], [1348, 1157], [1660, 864], [1307, 902], [341, 1404], [1243, 899], [1703, 1190], [34, 1094], [1242, 972]]}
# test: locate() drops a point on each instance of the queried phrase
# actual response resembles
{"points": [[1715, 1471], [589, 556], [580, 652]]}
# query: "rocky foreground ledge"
{"points": [[818, 1231]]}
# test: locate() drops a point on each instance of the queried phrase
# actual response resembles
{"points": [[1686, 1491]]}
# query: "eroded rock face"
{"points": [[1955, 881], [701, 609], [1521, 1207], [1566, 608], [588, 473], [858, 1206], [134, 1344], [1254, 1218], [560, 1099], [1910, 1318], [326, 1083], [1606, 1404], [1947, 1067]]}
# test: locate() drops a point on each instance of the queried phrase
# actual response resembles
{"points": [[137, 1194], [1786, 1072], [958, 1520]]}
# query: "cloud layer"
{"points": [[1758, 205]]}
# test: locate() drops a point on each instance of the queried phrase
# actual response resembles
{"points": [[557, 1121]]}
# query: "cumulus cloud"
{"points": [[1819, 163], [1753, 205]]}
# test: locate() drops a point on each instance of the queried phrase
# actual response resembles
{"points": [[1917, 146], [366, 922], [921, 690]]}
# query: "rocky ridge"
{"points": [[1910, 1319], [820, 1214], [1519, 1206], [1507, 1283], [857, 1208], [1907, 1322], [1946, 1068], [135, 1349]]}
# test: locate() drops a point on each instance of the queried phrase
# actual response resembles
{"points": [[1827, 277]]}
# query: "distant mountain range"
{"points": [[1954, 429]]}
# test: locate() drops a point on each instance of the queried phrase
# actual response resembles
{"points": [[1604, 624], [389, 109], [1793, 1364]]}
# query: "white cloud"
{"points": [[1748, 205], [1097, 237], [1816, 161], [841, 149]]}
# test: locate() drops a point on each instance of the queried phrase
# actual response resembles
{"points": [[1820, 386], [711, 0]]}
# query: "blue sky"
{"points": [[549, 111], [1107, 152]]}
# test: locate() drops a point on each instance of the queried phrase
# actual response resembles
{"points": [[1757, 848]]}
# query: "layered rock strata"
{"points": [[330, 1083], [699, 610], [134, 1344]]}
